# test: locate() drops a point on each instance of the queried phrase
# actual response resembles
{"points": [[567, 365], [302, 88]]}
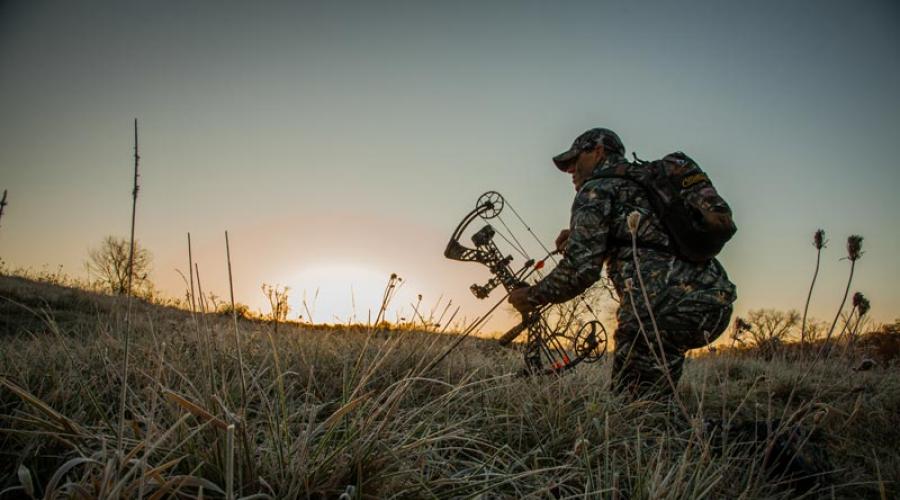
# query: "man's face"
{"points": [[583, 165]]}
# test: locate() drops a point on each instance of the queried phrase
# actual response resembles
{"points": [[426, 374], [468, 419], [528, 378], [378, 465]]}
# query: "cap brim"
{"points": [[564, 160]]}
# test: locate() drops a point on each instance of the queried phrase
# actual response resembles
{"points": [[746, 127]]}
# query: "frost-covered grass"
{"points": [[341, 412]]}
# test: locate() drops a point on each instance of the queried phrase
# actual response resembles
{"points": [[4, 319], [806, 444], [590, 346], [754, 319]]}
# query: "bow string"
{"points": [[547, 350]]}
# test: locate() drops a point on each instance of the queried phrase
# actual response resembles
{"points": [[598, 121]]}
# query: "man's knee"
{"points": [[692, 331]]}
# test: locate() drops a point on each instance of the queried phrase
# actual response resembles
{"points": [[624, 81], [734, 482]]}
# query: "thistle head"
{"points": [[854, 246], [819, 239], [629, 284], [861, 303], [633, 220]]}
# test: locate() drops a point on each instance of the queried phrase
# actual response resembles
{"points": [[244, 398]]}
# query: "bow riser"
{"points": [[487, 253], [542, 342]]}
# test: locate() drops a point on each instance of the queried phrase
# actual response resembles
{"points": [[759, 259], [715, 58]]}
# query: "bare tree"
{"points": [[815, 330], [108, 265], [771, 326], [737, 333], [278, 300]]}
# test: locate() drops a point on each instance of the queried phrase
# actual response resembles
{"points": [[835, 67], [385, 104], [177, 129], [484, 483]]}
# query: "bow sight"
{"points": [[544, 345]]}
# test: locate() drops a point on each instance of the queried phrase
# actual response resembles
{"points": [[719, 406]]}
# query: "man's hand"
{"points": [[562, 240], [519, 299]]}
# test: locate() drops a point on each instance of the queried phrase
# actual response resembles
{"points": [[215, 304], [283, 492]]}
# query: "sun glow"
{"points": [[341, 293]]}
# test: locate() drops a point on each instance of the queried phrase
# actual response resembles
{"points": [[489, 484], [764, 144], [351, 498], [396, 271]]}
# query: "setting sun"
{"points": [[342, 292]]}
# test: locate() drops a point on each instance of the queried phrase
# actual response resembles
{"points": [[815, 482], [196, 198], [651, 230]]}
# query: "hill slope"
{"points": [[320, 413]]}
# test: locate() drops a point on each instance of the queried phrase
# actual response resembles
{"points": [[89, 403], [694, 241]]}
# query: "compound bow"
{"points": [[546, 350]]}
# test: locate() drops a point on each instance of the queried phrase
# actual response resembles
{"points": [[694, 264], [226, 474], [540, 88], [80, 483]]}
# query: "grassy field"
{"points": [[355, 414]]}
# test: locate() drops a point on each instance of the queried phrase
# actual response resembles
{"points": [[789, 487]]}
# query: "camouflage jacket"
{"points": [[599, 234]]}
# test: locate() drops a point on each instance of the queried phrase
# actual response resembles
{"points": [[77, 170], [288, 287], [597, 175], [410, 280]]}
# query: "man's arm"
{"points": [[587, 243]]}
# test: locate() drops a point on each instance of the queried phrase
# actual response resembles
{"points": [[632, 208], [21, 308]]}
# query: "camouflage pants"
{"points": [[640, 366]]}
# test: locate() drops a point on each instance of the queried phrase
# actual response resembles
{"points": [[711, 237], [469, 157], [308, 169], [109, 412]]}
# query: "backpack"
{"points": [[697, 218]]}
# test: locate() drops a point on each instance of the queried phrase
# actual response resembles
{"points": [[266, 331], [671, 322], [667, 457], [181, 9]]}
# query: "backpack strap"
{"points": [[618, 171]]}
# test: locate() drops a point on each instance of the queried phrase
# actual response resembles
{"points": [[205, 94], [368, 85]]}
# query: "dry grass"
{"points": [[334, 413]]}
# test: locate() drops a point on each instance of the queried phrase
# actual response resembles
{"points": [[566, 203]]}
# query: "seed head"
{"points": [[819, 239], [580, 445], [741, 325], [629, 284], [634, 219], [854, 245], [861, 303]]}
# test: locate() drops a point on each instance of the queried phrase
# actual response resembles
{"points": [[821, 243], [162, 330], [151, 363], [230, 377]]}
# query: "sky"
{"points": [[340, 142]]}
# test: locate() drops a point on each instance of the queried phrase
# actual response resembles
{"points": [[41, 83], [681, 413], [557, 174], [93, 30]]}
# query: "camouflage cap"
{"points": [[588, 141]]}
